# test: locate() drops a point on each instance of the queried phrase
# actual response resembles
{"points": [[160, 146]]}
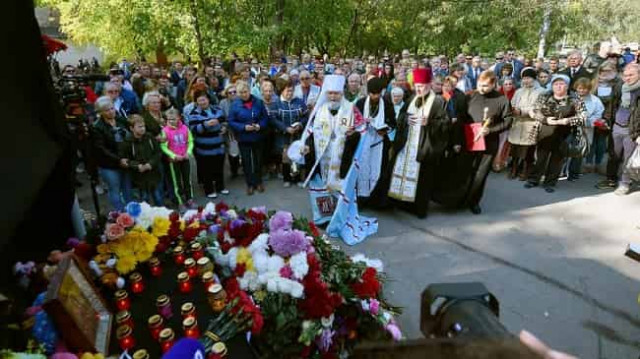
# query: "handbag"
{"points": [[323, 203], [523, 132], [633, 165], [234, 148], [576, 143]]}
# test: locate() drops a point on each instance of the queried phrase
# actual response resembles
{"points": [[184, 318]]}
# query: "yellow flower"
{"points": [[102, 248], [244, 256], [125, 264], [182, 225], [143, 256], [160, 226]]}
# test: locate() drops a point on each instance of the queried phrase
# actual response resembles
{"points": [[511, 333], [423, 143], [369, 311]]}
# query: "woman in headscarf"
{"points": [[520, 134]]}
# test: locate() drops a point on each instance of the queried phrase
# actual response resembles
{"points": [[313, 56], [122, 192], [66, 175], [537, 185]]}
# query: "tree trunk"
{"points": [[196, 26], [544, 30], [279, 41], [354, 28], [161, 56]]}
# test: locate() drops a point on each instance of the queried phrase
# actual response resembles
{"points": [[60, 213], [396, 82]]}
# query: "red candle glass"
{"points": [[154, 267], [190, 326], [196, 250], [124, 318], [125, 337], [156, 324], [122, 300], [218, 351], [167, 338], [184, 283], [178, 255], [163, 303], [204, 265], [190, 267], [137, 286], [208, 280], [188, 310]]}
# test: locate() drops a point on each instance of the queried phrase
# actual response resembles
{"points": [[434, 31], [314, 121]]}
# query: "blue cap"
{"points": [[562, 77], [186, 348]]}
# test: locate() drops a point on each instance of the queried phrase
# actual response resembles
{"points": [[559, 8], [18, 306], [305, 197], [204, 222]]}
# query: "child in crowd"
{"points": [[143, 153], [178, 146]]}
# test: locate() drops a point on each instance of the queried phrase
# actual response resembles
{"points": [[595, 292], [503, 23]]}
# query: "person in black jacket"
{"points": [[142, 152], [107, 135]]}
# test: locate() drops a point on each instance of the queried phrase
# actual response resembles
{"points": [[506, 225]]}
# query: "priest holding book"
{"points": [[419, 146]]}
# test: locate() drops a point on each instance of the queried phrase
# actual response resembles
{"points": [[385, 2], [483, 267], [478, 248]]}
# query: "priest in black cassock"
{"points": [[487, 106], [378, 112], [419, 146]]}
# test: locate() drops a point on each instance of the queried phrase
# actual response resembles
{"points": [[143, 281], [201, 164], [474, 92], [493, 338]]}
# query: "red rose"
{"points": [[256, 216], [125, 220], [174, 232], [368, 286], [174, 216], [232, 287], [240, 269], [190, 234]]}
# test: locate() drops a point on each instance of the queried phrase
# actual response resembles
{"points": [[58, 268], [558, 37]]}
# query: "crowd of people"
{"points": [[416, 128]]}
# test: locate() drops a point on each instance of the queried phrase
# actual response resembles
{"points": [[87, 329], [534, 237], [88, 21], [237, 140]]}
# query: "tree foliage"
{"points": [[263, 27]]}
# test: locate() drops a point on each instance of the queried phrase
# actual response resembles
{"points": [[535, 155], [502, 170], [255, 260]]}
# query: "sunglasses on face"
{"points": [[232, 92]]}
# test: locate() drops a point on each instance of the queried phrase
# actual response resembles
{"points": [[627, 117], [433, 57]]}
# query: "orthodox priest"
{"points": [[419, 145], [492, 109], [378, 112], [334, 141]]}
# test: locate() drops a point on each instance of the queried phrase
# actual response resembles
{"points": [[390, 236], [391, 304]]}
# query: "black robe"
{"points": [[434, 140], [378, 197], [456, 171]]}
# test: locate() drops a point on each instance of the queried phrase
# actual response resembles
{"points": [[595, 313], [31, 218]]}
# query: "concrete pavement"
{"points": [[554, 261]]}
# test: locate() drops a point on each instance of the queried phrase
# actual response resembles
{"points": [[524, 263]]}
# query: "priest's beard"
{"points": [[334, 105]]}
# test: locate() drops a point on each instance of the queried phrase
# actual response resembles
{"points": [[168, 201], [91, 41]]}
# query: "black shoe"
{"points": [[607, 184], [530, 185], [549, 189], [475, 209]]}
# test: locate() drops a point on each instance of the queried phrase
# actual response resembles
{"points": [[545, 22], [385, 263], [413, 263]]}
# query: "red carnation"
{"points": [[190, 234], [256, 216], [232, 287], [369, 286], [221, 207], [174, 217], [314, 229], [240, 269], [174, 232], [319, 301]]}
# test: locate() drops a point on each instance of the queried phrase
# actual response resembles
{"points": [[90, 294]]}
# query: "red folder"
{"points": [[470, 132]]}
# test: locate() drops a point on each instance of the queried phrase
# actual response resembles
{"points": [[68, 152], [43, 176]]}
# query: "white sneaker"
{"points": [[622, 190], [212, 195], [225, 192], [286, 185]]}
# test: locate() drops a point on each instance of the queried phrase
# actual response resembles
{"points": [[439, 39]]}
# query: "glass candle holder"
{"points": [[141, 354], [184, 283], [178, 255], [123, 302], [208, 280], [154, 267], [188, 310], [190, 267], [217, 298], [204, 265], [190, 326], [218, 351], [196, 250], [163, 303], [125, 337], [124, 318], [137, 286], [156, 324], [167, 338]]}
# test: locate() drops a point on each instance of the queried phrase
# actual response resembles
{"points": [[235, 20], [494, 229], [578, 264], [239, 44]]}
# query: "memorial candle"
{"points": [[156, 324], [122, 300], [178, 255], [167, 338], [154, 267], [124, 318], [184, 283], [163, 303], [137, 286], [188, 310], [190, 326], [196, 250], [125, 337], [190, 267]]}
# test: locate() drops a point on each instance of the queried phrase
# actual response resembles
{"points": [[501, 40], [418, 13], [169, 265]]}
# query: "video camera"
{"points": [[73, 95]]}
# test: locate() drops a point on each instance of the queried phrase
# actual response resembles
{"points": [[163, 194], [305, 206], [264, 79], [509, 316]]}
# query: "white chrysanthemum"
{"points": [[261, 262], [297, 289], [374, 263], [299, 265], [233, 257], [272, 285], [275, 264], [210, 208], [188, 215], [232, 214], [261, 243]]}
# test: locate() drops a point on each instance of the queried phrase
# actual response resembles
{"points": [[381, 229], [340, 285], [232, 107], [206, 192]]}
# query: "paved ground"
{"points": [[554, 261]]}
